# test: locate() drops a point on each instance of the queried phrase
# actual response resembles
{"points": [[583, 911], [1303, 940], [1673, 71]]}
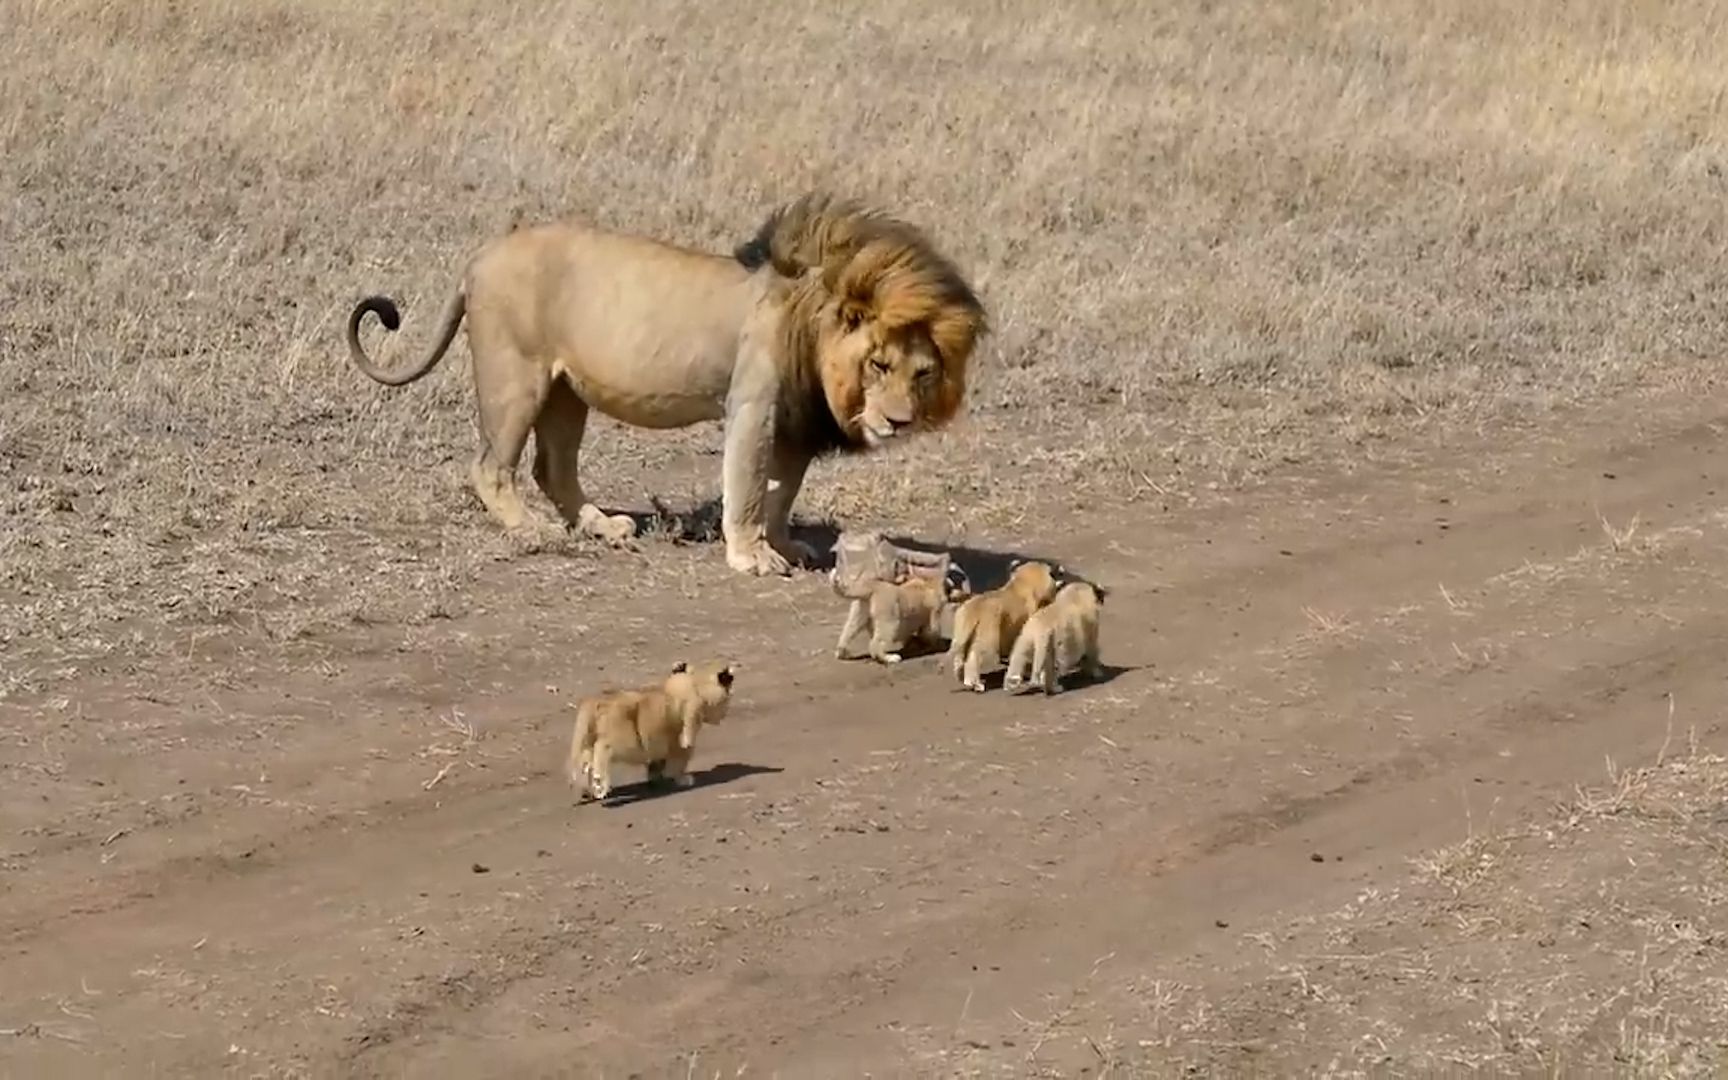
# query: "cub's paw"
{"points": [[758, 558], [612, 528], [888, 658], [685, 780]]}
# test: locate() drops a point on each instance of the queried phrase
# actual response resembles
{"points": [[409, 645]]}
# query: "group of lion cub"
{"points": [[899, 596], [835, 329]]}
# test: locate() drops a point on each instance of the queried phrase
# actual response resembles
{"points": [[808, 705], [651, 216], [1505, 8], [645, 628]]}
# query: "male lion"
{"points": [[834, 329], [654, 727]]}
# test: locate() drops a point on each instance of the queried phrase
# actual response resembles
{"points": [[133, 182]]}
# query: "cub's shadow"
{"points": [[1074, 680], [645, 790]]}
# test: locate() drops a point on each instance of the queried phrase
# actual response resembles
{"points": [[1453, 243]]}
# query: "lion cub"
{"points": [[990, 620], [1060, 637], [654, 727], [897, 613]]}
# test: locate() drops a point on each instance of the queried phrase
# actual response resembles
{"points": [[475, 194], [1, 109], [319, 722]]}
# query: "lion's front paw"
{"points": [[759, 558], [889, 658], [1011, 682], [685, 780]]}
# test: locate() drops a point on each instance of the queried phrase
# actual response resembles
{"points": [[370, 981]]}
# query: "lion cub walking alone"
{"points": [[653, 727], [990, 620], [1058, 638]]}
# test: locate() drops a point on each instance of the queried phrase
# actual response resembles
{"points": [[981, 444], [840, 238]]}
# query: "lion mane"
{"points": [[878, 267]]}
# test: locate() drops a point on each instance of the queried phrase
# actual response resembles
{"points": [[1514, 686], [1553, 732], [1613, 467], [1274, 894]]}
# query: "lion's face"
{"points": [[881, 384]]}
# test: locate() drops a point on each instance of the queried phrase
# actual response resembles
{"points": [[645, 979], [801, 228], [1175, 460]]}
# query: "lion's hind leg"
{"points": [[1046, 660], [985, 654], [678, 767], [600, 770], [557, 456], [579, 766], [1090, 665], [511, 390], [1020, 662]]}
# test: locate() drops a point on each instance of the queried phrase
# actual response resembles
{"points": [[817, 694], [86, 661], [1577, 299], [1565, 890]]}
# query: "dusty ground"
{"points": [[1301, 824], [1367, 351]]}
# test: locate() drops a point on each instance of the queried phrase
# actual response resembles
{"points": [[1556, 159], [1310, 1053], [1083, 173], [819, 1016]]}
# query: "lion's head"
{"points": [[879, 327]]}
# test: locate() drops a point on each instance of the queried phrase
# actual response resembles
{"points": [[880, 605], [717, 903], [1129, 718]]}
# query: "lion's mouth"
{"points": [[880, 429], [874, 434]]}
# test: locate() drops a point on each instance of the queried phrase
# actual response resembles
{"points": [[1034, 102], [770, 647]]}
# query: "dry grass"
{"points": [[1588, 940], [1213, 236]]}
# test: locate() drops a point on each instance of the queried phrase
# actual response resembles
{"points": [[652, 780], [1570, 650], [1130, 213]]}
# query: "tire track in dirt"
{"points": [[1232, 608]]}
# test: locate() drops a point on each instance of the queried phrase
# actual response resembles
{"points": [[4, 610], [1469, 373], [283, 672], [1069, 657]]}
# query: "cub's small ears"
{"points": [[1100, 590], [726, 676], [680, 666]]}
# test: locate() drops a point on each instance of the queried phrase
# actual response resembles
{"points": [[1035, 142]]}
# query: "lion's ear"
{"points": [[680, 666], [726, 676]]}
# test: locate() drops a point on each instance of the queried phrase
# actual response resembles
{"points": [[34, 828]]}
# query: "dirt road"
{"points": [[359, 858]]}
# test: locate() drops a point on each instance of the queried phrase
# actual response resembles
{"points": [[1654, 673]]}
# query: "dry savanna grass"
{"points": [[1587, 940], [1213, 237]]}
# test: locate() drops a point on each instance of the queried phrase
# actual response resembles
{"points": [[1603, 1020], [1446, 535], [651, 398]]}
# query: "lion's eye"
{"points": [[926, 374], [879, 364]]}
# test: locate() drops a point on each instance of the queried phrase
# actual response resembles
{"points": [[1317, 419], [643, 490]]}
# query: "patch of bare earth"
{"points": [[1592, 937]]}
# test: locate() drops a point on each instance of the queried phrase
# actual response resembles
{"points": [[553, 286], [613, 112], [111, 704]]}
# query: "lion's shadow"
{"points": [[985, 568], [700, 524], [713, 776]]}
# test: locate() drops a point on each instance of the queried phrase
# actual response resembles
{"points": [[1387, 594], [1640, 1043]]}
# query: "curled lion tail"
{"points": [[391, 318]]}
